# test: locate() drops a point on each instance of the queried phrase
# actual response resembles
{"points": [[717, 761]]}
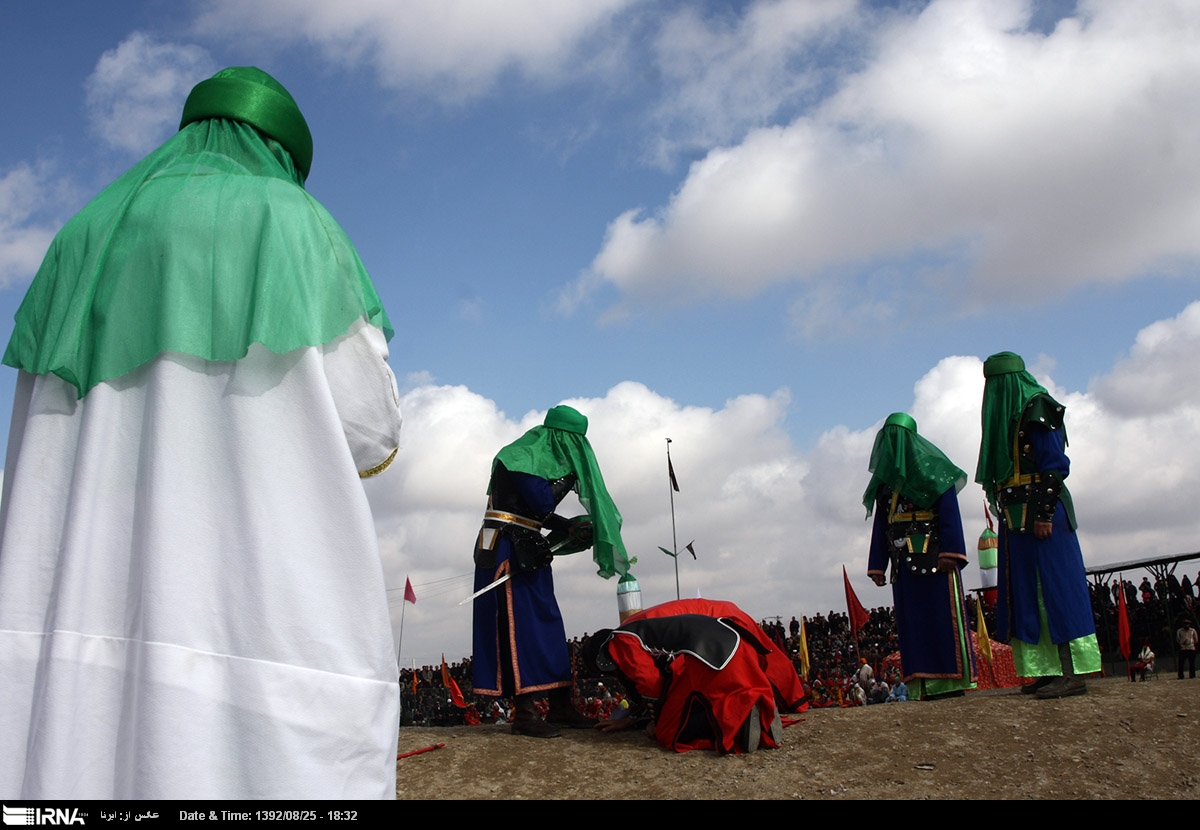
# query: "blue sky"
{"points": [[756, 228]]}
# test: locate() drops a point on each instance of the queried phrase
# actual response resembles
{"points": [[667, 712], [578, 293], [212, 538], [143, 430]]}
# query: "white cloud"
{"points": [[1161, 374], [720, 76], [27, 195], [773, 523], [458, 47], [998, 158], [135, 93]]}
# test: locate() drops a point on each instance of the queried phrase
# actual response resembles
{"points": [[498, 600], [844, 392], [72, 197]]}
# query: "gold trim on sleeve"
{"points": [[378, 468]]}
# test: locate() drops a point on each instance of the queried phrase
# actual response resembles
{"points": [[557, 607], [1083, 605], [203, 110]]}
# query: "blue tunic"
{"points": [[929, 612], [1057, 562], [535, 639]]}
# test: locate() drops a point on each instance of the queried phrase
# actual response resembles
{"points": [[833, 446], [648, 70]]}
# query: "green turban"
{"points": [[556, 449], [249, 95], [910, 465]]}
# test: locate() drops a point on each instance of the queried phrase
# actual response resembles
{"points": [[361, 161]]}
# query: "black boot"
{"points": [[563, 712], [527, 721], [1069, 684], [1037, 685]]}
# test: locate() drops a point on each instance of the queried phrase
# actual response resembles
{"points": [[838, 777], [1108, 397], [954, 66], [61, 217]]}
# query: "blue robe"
{"points": [[930, 619], [1057, 562], [535, 647]]}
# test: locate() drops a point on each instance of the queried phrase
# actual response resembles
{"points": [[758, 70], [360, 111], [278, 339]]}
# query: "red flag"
{"points": [[671, 473], [1122, 624], [858, 614], [456, 695], [409, 594]]}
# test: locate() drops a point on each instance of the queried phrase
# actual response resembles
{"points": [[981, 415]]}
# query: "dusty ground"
{"points": [[1121, 740]]}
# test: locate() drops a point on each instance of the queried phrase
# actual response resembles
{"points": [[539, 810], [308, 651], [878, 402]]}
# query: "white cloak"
{"points": [[192, 603]]}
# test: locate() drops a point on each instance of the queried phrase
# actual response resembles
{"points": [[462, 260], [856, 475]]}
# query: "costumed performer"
{"points": [[918, 530], [520, 642], [192, 603], [1044, 608], [708, 675]]}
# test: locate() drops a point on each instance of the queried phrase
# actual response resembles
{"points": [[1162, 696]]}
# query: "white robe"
{"points": [[192, 603]]}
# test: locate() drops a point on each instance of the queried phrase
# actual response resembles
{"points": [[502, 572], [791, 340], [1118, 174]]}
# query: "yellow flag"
{"points": [[985, 642], [804, 663]]}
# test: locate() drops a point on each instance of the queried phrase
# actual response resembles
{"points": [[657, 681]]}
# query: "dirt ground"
{"points": [[1121, 740]]}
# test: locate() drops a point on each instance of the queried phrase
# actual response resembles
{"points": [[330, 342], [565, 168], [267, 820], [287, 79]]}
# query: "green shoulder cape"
{"points": [[207, 245], [557, 449], [1008, 390], [910, 464]]}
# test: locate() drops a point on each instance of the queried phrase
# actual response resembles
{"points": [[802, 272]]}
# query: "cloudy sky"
{"points": [[755, 228]]}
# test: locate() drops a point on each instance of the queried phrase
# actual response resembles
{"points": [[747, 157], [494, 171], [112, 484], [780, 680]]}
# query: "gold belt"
{"points": [[511, 518], [915, 516]]}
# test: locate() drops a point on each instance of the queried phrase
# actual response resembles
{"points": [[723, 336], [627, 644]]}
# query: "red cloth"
{"points": [[1002, 675], [456, 695], [858, 615], [705, 708]]}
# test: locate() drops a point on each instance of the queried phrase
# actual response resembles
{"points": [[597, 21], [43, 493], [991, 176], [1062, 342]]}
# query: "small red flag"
{"points": [[858, 614], [456, 695], [409, 594], [1122, 623], [671, 473]]}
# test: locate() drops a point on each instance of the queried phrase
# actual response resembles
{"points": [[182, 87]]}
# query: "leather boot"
{"points": [[1069, 684], [563, 712], [1037, 685], [526, 720]]}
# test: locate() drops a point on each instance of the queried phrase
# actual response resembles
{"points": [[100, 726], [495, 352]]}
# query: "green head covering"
{"points": [[909, 464], [207, 245], [564, 417], [558, 448], [1007, 391], [247, 94]]}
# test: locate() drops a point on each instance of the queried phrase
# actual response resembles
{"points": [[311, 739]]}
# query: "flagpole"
{"points": [[674, 541], [400, 643]]}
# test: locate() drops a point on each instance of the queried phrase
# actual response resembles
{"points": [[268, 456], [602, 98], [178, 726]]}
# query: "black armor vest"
{"points": [[912, 534]]}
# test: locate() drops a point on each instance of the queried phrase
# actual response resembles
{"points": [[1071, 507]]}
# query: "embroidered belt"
{"points": [[495, 520], [1016, 500], [1019, 480], [915, 516], [510, 519]]}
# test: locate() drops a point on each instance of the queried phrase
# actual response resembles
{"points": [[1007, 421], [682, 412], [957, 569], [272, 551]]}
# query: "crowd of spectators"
{"points": [[835, 672], [834, 661], [1155, 610]]}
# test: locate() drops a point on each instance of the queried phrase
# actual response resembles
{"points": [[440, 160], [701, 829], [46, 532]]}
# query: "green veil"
{"points": [[207, 245], [1007, 391], [910, 464], [560, 447]]}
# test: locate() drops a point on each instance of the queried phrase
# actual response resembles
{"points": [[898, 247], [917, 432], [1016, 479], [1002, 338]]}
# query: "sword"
{"points": [[504, 578], [483, 591]]}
